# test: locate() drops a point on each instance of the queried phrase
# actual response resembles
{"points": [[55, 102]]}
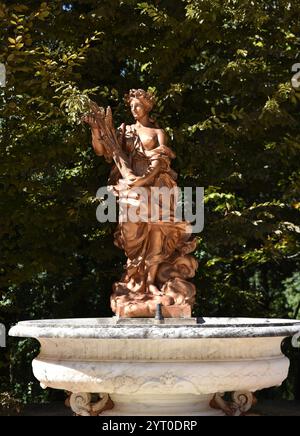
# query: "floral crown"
{"points": [[147, 98]]}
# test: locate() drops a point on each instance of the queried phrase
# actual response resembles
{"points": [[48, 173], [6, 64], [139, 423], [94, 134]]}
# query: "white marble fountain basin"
{"points": [[175, 368]]}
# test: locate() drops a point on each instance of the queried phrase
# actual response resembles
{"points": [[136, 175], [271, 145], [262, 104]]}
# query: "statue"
{"points": [[159, 261]]}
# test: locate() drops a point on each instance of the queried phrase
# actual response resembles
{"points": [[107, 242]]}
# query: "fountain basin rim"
{"points": [[106, 328]]}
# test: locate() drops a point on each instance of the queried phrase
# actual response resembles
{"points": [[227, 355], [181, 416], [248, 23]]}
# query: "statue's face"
{"points": [[138, 109]]}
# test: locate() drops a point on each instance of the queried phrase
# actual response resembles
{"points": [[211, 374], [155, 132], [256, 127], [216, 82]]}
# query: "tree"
{"points": [[222, 73]]}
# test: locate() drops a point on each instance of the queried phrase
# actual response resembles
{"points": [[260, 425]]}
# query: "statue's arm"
{"points": [[162, 137], [97, 142]]}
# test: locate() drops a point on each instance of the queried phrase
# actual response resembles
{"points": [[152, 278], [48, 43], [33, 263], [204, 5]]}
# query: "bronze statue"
{"points": [[159, 261]]}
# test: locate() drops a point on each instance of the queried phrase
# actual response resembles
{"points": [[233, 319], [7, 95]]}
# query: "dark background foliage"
{"points": [[222, 73]]}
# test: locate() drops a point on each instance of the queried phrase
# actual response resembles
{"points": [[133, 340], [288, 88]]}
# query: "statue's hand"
{"points": [[91, 121], [136, 181]]}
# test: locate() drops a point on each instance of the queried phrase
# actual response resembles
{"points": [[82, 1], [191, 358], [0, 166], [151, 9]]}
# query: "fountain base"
{"points": [[176, 368]]}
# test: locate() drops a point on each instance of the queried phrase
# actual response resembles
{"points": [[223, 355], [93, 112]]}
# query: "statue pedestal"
{"points": [[174, 311], [182, 367]]}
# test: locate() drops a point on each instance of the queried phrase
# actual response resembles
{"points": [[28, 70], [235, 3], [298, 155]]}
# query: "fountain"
{"points": [[176, 367], [153, 358]]}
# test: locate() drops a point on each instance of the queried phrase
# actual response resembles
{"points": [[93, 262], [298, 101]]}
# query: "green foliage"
{"points": [[222, 73], [8, 405], [76, 105]]}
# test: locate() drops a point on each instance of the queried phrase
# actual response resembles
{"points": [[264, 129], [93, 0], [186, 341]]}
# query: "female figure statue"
{"points": [[159, 262]]}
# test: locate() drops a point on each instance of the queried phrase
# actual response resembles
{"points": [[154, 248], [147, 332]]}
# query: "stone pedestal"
{"points": [[167, 405], [181, 367], [175, 311]]}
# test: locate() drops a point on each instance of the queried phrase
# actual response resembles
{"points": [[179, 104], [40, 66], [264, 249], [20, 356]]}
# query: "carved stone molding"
{"points": [[149, 378]]}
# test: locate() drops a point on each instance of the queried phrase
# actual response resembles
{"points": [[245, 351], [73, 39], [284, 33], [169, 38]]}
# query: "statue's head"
{"points": [[140, 102]]}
